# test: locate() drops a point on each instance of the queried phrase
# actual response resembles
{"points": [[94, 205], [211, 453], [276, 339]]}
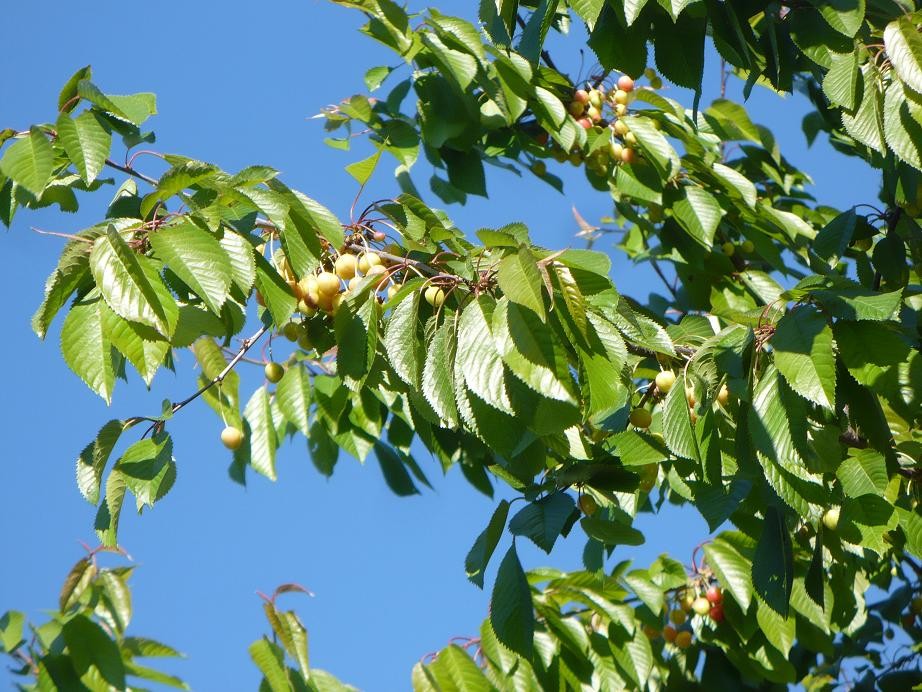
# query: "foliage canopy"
{"points": [[789, 417]]}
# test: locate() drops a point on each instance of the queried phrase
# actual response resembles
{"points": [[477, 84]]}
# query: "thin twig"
{"points": [[130, 171], [244, 347], [69, 236]]}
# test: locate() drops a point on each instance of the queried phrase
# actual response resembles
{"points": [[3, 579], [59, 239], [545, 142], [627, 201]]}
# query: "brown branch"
{"points": [[69, 236], [244, 347], [544, 54]]}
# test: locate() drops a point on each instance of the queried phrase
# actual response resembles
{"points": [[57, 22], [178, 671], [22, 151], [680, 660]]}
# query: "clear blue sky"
{"points": [[235, 83]]}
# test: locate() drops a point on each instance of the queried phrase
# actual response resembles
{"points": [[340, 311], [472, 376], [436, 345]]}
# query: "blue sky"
{"points": [[236, 83]]}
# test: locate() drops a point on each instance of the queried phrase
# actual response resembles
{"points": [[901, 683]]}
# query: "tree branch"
{"points": [[131, 171]]}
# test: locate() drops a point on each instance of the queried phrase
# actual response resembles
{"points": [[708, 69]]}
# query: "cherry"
{"points": [[831, 518], [576, 108], [585, 123], [628, 155], [701, 605], [714, 595], [625, 84], [748, 247], [435, 296], [345, 266], [380, 236], [232, 437], [291, 331], [728, 248], [641, 418], [723, 396], [274, 372], [717, 613], [683, 639], [620, 127], [621, 97], [664, 381], [670, 633], [581, 96], [369, 260], [327, 284], [588, 505], [677, 616]]}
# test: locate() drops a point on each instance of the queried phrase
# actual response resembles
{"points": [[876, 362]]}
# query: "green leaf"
{"points": [[629, 53], [92, 460], [680, 49], [841, 82], [311, 214], [511, 613], [453, 669], [902, 129], [871, 352], [277, 294], [773, 563], [356, 326], [845, 16], [242, 263], [535, 30], [803, 347], [86, 143], [198, 259], [834, 237], [270, 660], [611, 532], [29, 162], [475, 564], [778, 629], [110, 509], [904, 48], [528, 347], [395, 472], [72, 271], [588, 10], [363, 170], [654, 146], [91, 648], [477, 356], [147, 469], [863, 474], [736, 183], [543, 520], [438, 385], [677, 426], [127, 287], [732, 569], [866, 123], [85, 347], [401, 341], [67, 100], [259, 429], [76, 583], [11, 626], [519, 278], [143, 348], [698, 212], [293, 394]]}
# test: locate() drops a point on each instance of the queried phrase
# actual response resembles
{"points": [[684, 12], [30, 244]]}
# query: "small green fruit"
{"points": [[435, 296], [641, 418], [274, 372], [748, 247], [291, 331], [831, 518], [728, 248]]}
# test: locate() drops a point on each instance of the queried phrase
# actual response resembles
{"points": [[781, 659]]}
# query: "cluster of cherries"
{"points": [[677, 631]]}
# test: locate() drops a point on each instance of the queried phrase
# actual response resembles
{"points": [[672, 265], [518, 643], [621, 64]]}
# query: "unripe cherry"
{"points": [[621, 97], [664, 381], [831, 518], [641, 418], [232, 437], [625, 84], [435, 296], [620, 127], [677, 616], [723, 396], [291, 331], [748, 247], [585, 123], [576, 109], [628, 155], [274, 372], [379, 236], [728, 248], [701, 605], [670, 633], [581, 96]]}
